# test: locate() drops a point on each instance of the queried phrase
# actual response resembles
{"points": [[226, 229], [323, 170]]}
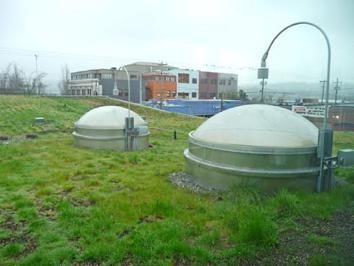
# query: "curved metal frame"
{"points": [[128, 79], [325, 121]]}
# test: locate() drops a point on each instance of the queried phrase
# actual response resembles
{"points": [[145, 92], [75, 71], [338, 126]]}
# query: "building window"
{"points": [[194, 94], [183, 78], [106, 76], [183, 95], [194, 81], [229, 83], [133, 77], [77, 92]]}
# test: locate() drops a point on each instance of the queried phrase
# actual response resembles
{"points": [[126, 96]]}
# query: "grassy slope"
{"points": [[62, 204]]}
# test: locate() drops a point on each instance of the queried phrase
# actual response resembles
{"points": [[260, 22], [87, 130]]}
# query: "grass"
{"points": [[60, 204]]}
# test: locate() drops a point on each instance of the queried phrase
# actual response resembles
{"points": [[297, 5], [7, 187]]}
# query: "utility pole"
{"points": [[262, 90], [35, 79], [221, 101], [323, 82], [336, 88]]}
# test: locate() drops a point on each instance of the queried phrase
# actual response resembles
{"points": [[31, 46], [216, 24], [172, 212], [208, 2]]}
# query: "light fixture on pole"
{"points": [[325, 134], [129, 121], [128, 80]]}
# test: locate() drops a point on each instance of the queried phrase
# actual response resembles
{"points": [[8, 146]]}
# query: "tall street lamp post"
{"points": [[325, 135]]}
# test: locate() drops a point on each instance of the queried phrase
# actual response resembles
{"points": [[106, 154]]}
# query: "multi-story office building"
{"points": [[111, 82], [208, 87], [153, 80], [114, 82], [227, 86], [85, 87], [187, 83], [160, 86]]}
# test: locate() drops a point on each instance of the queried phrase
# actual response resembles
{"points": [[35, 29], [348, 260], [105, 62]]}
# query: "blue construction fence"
{"points": [[194, 107]]}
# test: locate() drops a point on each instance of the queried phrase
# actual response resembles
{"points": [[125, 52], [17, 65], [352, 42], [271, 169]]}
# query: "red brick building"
{"points": [[160, 86], [208, 85]]}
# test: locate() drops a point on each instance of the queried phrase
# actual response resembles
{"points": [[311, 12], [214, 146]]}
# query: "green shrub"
{"points": [[257, 228], [286, 203], [12, 250]]}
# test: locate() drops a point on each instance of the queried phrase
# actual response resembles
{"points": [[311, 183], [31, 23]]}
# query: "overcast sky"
{"points": [[217, 35]]}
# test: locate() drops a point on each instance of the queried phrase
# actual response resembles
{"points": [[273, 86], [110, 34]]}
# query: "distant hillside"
{"points": [[299, 89]]}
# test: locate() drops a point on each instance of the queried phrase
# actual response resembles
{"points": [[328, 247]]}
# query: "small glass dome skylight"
{"points": [[258, 125], [260, 145], [104, 128]]}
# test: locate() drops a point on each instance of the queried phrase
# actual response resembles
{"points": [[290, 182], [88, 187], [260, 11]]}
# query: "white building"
{"points": [[85, 87], [187, 83]]}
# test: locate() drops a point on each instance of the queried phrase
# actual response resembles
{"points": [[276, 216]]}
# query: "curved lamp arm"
{"points": [[265, 56], [128, 80], [263, 73]]}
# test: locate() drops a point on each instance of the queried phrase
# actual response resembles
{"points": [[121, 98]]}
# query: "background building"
{"points": [[187, 83], [150, 80], [111, 82], [160, 86], [227, 86], [208, 85], [149, 67], [85, 87]]}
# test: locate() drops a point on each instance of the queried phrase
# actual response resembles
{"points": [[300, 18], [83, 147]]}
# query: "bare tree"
{"points": [[17, 79], [4, 78], [14, 81], [35, 83], [243, 95], [63, 84]]}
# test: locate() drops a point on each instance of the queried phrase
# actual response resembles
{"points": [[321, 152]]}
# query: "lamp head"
{"points": [[263, 70], [263, 73]]}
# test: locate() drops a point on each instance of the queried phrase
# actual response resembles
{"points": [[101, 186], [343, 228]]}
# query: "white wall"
{"points": [[186, 87]]}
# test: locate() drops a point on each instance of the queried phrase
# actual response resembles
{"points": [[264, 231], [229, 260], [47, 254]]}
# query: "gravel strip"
{"points": [[184, 180]]}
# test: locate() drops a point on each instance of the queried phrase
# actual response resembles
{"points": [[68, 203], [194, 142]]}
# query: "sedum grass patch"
{"points": [[61, 205]]}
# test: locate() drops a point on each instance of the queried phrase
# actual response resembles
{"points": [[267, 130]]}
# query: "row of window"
{"points": [[90, 76], [82, 92], [182, 78], [206, 81], [97, 76], [166, 94], [161, 78], [225, 82]]}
